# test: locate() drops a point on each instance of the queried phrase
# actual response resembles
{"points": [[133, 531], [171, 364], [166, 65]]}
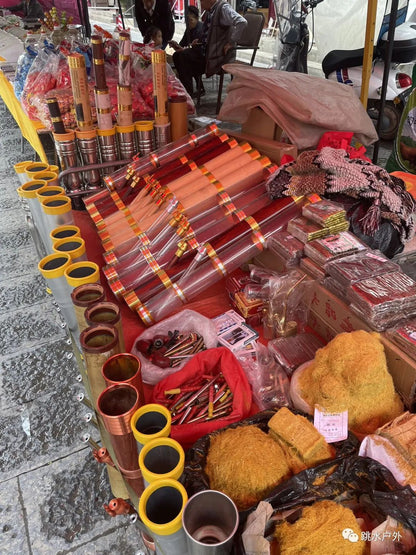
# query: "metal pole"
{"points": [[120, 11], [387, 61], [368, 50]]}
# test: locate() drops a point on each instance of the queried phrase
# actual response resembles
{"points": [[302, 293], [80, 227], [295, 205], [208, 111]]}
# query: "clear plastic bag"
{"points": [[268, 380]]}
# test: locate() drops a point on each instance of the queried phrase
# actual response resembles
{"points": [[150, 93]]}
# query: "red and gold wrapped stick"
{"points": [[124, 62], [160, 87]]}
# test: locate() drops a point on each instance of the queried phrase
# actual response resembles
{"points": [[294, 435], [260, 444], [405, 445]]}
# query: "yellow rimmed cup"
{"points": [[160, 508], [49, 191], [64, 232], [74, 246], [54, 168], [150, 422], [20, 169], [49, 176], [80, 273], [35, 167], [160, 459], [28, 192]]}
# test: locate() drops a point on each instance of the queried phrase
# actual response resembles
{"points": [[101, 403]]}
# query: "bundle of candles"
{"points": [[102, 146], [202, 399], [161, 246]]}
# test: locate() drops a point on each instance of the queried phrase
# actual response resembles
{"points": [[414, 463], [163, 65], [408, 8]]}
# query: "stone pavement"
{"points": [[51, 489]]}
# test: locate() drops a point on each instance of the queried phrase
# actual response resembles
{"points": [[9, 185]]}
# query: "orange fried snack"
{"points": [[326, 528], [351, 373], [303, 445], [245, 464]]}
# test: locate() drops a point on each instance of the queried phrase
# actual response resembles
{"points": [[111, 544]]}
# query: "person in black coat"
{"points": [[31, 9], [155, 13]]}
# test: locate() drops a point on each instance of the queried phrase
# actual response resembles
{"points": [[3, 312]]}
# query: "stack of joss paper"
{"points": [[384, 300], [404, 335]]}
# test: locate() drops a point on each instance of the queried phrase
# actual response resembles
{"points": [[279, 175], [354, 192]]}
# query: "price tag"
{"points": [[332, 425]]}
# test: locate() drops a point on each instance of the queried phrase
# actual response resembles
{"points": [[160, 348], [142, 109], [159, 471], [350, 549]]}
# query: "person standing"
{"points": [[222, 28], [156, 13], [31, 9]]}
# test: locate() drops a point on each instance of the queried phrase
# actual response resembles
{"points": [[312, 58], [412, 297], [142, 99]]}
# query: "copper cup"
{"points": [[124, 368]]}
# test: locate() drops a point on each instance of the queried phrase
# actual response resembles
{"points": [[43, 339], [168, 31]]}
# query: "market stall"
{"points": [[222, 290]]}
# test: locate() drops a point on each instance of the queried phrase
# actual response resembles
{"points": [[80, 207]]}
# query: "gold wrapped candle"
{"points": [[125, 113], [160, 86], [79, 83]]}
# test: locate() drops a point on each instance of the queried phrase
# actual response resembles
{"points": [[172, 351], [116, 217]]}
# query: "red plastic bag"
{"points": [[209, 362]]}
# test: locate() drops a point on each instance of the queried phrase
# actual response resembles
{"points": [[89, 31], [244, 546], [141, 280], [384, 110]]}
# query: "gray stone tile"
{"points": [[42, 430], [20, 292], [17, 263], [27, 375], [124, 541], [28, 327], [13, 537], [12, 240], [11, 220], [64, 502]]}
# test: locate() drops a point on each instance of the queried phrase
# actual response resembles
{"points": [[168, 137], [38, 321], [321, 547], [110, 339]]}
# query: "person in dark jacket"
{"points": [[222, 27], [155, 13], [31, 9], [193, 31]]}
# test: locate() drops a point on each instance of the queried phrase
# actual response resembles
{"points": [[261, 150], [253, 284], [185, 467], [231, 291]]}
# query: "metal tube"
{"points": [[53, 268], [150, 422], [210, 521], [160, 509], [116, 405], [124, 368], [105, 312], [82, 297], [161, 458]]}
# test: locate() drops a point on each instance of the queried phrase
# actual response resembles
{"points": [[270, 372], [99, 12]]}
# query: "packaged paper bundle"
{"points": [[287, 246], [350, 373], [404, 335], [311, 268], [394, 445], [336, 288], [363, 265], [333, 247], [245, 464], [305, 230], [291, 352], [386, 299], [325, 213], [324, 527], [303, 445]]}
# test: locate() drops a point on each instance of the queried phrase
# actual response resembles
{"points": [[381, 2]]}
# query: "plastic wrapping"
{"points": [[236, 251], [268, 380], [329, 248], [41, 78], [196, 480], [362, 265], [385, 299], [24, 64], [291, 352], [287, 246], [404, 335], [185, 321]]}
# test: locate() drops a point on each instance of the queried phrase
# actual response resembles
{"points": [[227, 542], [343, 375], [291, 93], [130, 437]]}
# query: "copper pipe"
{"points": [[98, 343], [105, 312], [124, 368], [116, 405], [84, 296]]}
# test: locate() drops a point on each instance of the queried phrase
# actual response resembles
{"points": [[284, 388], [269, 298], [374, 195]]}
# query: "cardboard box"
{"points": [[271, 148], [260, 124]]}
